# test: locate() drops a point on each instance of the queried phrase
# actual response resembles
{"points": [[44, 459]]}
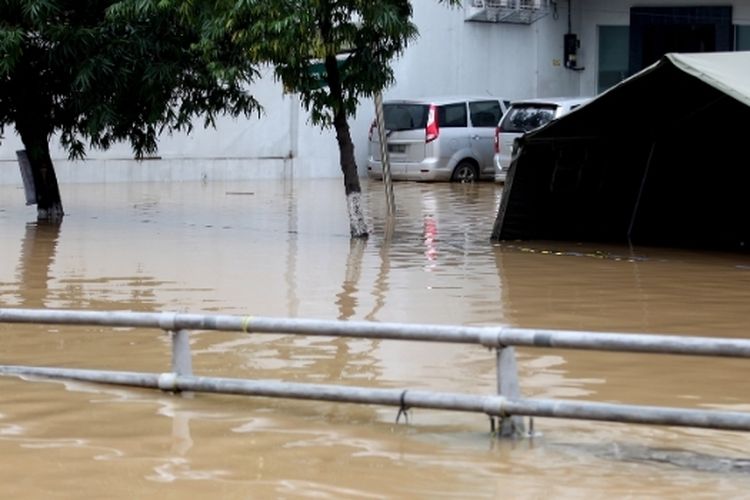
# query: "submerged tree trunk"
{"points": [[357, 224], [32, 122], [48, 201]]}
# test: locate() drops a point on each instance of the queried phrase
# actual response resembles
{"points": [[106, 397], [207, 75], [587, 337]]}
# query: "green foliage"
{"points": [[297, 35], [104, 71]]}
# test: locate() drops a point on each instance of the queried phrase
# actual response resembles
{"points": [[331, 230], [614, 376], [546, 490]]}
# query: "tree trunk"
{"points": [[48, 201], [33, 120], [357, 224]]}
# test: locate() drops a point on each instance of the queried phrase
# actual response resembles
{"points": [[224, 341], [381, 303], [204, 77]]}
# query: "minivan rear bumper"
{"points": [[500, 172], [427, 170]]}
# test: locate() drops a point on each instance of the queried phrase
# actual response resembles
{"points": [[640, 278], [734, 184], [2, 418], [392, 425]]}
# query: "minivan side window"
{"points": [[485, 113], [452, 115]]}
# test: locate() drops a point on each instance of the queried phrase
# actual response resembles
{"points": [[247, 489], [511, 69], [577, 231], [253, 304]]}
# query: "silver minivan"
{"points": [[524, 116], [440, 139]]}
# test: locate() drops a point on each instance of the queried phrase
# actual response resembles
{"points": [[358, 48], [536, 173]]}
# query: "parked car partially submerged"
{"points": [[524, 116], [438, 139]]}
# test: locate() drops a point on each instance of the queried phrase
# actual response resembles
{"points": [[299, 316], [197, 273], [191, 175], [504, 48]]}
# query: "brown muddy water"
{"points": [[281, 248]]}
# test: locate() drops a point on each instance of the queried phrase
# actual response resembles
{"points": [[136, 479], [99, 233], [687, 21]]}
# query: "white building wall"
{"points": [[595, 13], [453, 56], [255, 147]]}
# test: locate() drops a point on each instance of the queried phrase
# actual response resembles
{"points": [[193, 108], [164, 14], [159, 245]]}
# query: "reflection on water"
{"points": [[678, 458], [616, 288], [346, 300], [36, 258], [282, 249]]}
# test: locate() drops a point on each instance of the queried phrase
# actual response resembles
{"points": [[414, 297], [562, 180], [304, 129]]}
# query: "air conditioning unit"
{"points": [[507, 11]]}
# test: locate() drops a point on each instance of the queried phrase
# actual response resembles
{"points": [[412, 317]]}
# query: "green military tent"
{"points": [[662, 159]]}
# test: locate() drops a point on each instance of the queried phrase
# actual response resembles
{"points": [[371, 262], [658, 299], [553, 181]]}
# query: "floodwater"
{"points": [[281, 248]]}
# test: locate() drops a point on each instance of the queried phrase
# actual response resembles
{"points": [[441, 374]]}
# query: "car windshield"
{"points": [[403, 116], [523, 118]]}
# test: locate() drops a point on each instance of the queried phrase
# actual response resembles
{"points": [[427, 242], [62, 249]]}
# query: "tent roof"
{"points": [[725, 71], [657, 159], [678, 85]]}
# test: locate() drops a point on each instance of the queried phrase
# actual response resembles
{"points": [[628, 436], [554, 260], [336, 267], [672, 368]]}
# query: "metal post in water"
{"points": [[508, 387], [385, 160], [182, 363]]}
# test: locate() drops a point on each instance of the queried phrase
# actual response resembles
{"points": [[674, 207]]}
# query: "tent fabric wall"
{"points": [[660, 159]]}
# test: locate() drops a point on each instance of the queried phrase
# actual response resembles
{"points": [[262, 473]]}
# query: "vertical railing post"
{"points": [[385, 161], [508, 387], [182, 363]]}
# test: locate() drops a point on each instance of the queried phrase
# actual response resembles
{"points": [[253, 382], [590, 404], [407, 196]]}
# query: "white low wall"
{"points": [[179, 170]]}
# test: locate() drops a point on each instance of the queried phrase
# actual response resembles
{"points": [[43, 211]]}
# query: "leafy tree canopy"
{"points": [[103, 71], [297, 36]]}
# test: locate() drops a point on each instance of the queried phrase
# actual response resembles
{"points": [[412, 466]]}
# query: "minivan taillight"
{"points": [[432, 130], [497, 139]]}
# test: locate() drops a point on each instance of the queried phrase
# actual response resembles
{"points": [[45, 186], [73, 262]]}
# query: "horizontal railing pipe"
{"points": [[489, 336], [631, 414], [496, 406]]}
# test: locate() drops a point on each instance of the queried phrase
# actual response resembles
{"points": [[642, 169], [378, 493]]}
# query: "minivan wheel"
{"points": [[465, 172]]}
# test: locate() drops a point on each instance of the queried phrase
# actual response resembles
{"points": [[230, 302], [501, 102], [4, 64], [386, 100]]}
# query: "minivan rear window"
{"points": [[523, 118], [405, 116]]}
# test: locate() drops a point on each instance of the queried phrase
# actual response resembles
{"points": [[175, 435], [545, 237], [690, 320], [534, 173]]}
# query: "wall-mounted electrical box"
{"points": [[571, 43]]}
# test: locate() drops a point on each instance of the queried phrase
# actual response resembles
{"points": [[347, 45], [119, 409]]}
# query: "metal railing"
{"points": [[507, 406]]}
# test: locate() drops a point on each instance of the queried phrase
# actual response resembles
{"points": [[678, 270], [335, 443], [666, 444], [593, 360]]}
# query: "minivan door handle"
{"points": [[475, 137]]}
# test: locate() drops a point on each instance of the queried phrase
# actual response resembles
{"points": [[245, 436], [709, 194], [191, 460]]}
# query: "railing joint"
{"points": [[167, 321], [168, 382], [490, 338]]}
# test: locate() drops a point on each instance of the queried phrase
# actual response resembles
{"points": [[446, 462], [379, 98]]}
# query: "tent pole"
{"points": [[640, 194]]}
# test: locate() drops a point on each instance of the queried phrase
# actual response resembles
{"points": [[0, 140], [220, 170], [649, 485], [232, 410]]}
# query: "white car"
{"points": [[438, 139], [522, 117]]}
